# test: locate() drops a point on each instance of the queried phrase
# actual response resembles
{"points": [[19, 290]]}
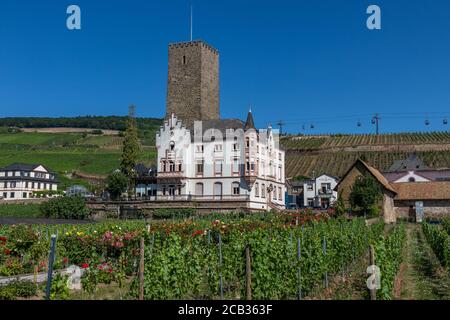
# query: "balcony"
{"points": [[170, 176], [325, 193]]}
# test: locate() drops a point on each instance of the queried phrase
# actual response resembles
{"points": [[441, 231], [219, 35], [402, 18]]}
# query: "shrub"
{"points": [[65, 208], [175, 213], [15, 289]]}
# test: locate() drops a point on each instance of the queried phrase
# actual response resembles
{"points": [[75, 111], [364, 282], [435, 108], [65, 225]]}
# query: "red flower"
{"points": [[110, 270], [7, 251], [197, 233], [85, 265], [65, 260], [3, 239]]}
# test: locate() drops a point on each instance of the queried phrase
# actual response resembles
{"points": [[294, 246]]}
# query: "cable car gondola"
{"points": [[359, 124], [427, 122], [445, 121]]}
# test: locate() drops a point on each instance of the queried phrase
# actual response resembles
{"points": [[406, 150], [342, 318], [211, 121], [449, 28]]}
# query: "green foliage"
{"points": [[65, 208], [339, 206], [388, 257], [439, 240], [59, 290], [17, 289], [116, 184], [365, 193], [175, 213], [446, 225], [131, 148]]}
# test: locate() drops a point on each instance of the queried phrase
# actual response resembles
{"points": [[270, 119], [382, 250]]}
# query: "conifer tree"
{"points": [[131, 147]]}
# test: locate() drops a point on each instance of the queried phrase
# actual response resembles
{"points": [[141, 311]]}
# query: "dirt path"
{"points": [[421, 276]]}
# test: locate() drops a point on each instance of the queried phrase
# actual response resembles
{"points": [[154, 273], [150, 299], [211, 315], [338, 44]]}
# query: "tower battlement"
{"points": [[193, 43]]}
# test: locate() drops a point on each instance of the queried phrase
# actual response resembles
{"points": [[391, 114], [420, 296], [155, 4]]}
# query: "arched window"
{"points": [[172, 145], [412, 179], [235, 189], [199, 189], [217, 190], [263, 190], [256, 189]]}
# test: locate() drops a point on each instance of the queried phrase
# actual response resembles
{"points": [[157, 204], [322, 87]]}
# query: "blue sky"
{"points": [[305, 62]]}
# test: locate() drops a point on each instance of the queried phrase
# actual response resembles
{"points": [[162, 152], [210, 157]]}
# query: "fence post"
{"points": [[248, 273], [299, 270], [220, 267], [325, 254], [373, 292], [141, 270], [51, 260]]}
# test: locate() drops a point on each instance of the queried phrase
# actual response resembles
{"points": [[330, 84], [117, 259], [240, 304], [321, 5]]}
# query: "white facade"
{"points": [[319, 192], [21, 181], [222, 160]]}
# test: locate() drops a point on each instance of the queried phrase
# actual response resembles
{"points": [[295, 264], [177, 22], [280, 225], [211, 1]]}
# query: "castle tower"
{"points": [[193, 82]]}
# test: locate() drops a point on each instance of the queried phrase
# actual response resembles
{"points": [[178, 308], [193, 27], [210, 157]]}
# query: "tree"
{"points": [[339, 206], [65, 208], [131, 147], [365, 194], [116, 184]]}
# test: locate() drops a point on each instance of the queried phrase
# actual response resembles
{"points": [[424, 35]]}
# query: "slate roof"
{"points": [[143, 170], [250, 123], [23, 167], [219, 124], [410, 164], [433, 175]]}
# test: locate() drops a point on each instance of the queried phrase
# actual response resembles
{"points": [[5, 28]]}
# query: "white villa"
{"points": [[221, 160], [319, 192], [19, 181]]}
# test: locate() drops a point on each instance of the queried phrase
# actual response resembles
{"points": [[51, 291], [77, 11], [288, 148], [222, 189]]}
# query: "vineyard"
{"points": [[336, 164], [201, 259], [323, 142], [439, 239]]}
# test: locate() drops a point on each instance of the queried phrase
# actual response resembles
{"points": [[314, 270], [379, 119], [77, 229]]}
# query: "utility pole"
{"points": [[280, 124], [375, 121]]}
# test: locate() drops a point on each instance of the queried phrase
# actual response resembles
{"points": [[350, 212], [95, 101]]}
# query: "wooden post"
{"points": [[373, 292], [51, 260], [248, 273], [141, 270], [220, 267]]}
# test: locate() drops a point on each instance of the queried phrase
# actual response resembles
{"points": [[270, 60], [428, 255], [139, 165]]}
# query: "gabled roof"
{"points": [[374, 172], [23, 167], [434, 190]]}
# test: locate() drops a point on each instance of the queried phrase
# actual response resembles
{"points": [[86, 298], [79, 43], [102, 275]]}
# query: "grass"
{"points": [[20, 210], [423, 277], [45, 139]]}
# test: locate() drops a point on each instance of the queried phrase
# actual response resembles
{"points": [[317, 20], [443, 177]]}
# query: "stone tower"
{"points": [[193, 82]]}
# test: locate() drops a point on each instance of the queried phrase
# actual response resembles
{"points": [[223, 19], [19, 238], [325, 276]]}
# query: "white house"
{"points": [[220, 160], [19, 181], [319, 192]]}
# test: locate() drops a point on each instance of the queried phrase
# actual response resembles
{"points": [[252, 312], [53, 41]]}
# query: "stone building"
{"points": [[193, 82], [359, 169], [434, 195]]}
